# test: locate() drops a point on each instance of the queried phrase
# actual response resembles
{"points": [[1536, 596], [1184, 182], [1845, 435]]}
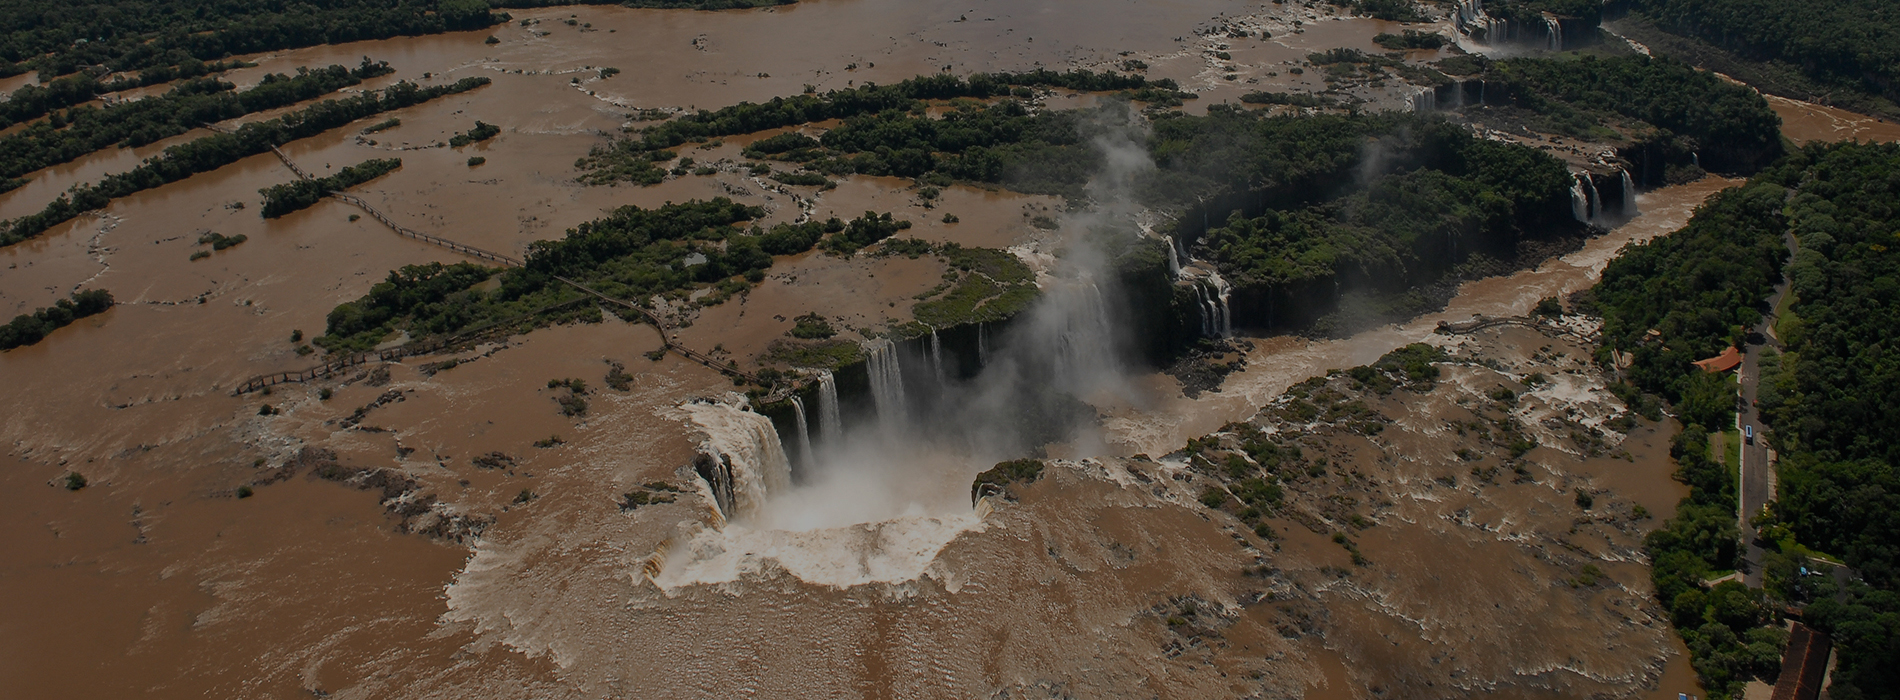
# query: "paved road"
{"points": [[1757, 471]]}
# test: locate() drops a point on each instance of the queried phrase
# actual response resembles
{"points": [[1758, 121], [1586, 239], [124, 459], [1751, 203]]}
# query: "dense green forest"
{"points": [[1839, 46], [166, 38], [300, 194], [1828, 396], [27, 329], [218, 150], [637, 158], [1673, 111], [193, 103], [1531, 12], [61, 38], [632, 253]]}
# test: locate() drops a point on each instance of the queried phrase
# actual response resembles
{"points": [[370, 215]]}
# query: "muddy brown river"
{"points": [[429, 575]]}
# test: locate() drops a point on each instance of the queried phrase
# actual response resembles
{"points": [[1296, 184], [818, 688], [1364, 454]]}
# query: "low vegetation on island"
{"points": [[218, 150], [301, 194], [27, 329]]}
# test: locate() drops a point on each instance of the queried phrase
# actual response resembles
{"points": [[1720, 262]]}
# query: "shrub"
{"points": [[75, 481], [813, 327], [476, 160]]}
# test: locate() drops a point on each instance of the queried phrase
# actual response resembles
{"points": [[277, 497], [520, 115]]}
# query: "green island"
{"points": [[301, 194], [191, 104]]}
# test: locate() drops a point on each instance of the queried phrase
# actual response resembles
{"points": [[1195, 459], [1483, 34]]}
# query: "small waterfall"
{"points": [[887, 383], [1221, 291], [1629, 196], [1211, 293], [741, 457], [1579, 200], [1174, 259], [1207, 309], [1596, 198], [804, 432], [1696, 158], [1556, 42], [830, 426], [1425, 101], [983, 344]]}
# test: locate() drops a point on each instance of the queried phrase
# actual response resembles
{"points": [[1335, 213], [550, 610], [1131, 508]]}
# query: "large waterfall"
{"points": [[887, 383], [741, 455], [830, 424]]}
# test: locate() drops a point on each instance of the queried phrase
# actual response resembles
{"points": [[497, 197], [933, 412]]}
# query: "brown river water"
{"points": [[158, 581]]}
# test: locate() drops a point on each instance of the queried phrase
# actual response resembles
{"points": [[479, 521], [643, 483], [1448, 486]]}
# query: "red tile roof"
{"points": [[1729, 359], [1803, 664]]}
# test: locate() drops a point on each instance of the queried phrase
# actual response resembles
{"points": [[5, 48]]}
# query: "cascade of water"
{"points": [[750, 459], [1696, 158], [983, 343], [829, 424], [936, 356], [1174, 259], [1083, 337], [1207, 309], [1225, 318], [1579, 200], [1425, 101], [1556, 42], [887, 383], [804, 432], [1629, 196], [1596, 198]]}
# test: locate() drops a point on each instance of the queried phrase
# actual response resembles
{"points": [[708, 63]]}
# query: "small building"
{"points": [[1728, 360], [1803, 664]]}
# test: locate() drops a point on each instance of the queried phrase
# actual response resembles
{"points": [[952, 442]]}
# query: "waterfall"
{"points": [[1083, 336], [1696, 158], [1174, 259], [936, 356], [887, 383], [746, 461], [1579, 200], [1211, 293], [1596, 198], [1425, 101], [1556, 42], [804, 432], [1629, 196], [983, 341], [829, 424], [1221, 291], [1207, 309]]}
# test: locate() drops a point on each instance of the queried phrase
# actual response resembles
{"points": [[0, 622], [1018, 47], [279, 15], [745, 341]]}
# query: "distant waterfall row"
{"points": [[1481, 28]]}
